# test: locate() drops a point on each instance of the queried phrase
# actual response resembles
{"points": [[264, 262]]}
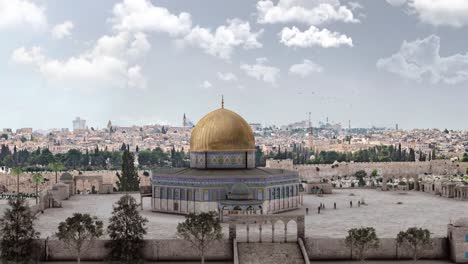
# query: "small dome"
{"points": [[222, 130], [239, 191], [66, 177]]}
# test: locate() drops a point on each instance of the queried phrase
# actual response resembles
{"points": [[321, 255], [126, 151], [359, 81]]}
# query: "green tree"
{"points": [[37, 179], [412, 156], [17, 171], [201, 230], [126, 230], [361, 240], [78, 232], [416, 238], [56, 167], [73, 158], [360, 175], [128, 180], [17, 232], [465, 157]]}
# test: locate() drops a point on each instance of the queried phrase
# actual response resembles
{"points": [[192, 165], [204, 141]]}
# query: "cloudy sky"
{"points": [[374, 62]]}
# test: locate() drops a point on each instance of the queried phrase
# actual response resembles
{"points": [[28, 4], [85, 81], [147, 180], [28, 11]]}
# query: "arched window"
{"points": [[189, 195]]}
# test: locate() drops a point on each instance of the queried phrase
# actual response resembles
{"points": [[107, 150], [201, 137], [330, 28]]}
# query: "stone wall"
{"points": [[181, 250], [332, 249], [26, 186], [155, 250], [391, 169]]}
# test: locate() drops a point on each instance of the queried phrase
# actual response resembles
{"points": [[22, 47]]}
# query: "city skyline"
{"points": [[372, 62]]}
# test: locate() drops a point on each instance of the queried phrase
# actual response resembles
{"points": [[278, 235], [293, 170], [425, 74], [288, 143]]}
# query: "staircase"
{"points": [[269, 253]]}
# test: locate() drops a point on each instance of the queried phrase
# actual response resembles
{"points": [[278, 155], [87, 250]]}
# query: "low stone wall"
{"points": [[336, 249], [181, 250], [155, 250]]}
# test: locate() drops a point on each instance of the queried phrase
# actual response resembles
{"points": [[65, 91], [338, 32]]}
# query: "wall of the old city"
{"points": [[398, 169]]}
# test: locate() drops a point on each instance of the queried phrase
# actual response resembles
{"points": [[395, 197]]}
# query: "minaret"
{"points": [[184, 121], [311, 134]]}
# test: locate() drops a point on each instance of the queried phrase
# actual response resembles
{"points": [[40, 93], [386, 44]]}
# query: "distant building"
{"points": [[26, 130], [256, 126], [79, 124], [186, 122]]}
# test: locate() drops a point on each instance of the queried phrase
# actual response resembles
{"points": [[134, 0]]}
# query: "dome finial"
{"points": [[222, 101]]}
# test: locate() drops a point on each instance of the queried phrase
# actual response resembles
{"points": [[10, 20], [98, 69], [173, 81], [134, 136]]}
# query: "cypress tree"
{"points": [[412, 156], [399, 156], [128, 180], [126, 230], [17, 232]]}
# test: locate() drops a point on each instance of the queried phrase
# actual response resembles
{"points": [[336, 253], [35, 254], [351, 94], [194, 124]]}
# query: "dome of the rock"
{"points": [[222, 130]]}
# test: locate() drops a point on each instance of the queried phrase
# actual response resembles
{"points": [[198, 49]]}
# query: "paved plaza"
{"points": [[381, 211]]}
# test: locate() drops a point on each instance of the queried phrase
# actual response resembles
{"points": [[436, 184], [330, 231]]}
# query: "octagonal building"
{"points": [[222, 176]]}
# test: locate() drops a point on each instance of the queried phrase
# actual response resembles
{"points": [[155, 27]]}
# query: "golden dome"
{"points": [[222, 130]]}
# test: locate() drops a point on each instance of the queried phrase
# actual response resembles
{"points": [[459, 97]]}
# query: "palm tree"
{"points": [[17, 171], [37, 179], [56, 167]]}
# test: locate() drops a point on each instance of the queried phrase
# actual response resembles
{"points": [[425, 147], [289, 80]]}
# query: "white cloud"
{"points": [[260, 71], [62, 30], [309, 12], [206, 85], [420, 60], [142, 15], [396, 2], [355, 5], [293, 37], [228, 76], [441, 12], [222, 42], [25, 57], [135, 78], [437, 12], [111, 63], [139, 46], [14, 13], [306, 68]]}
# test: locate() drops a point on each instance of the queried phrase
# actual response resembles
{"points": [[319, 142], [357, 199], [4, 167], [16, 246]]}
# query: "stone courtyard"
{"points": [[381, 211]]}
